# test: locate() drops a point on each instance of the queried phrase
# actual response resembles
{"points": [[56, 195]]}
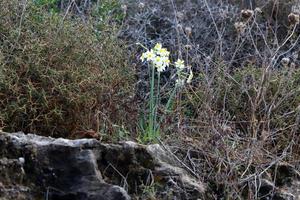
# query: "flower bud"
{"points": [[188, 31]]}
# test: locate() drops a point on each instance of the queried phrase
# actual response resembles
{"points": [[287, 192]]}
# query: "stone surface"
{"points": [[35, 167], [286, 186]]}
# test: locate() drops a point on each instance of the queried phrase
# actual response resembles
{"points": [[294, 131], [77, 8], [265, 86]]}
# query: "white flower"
{"points": [[143, 57], [158, 57], [166, 61], [189, 80], [158, 47], [161, 63], [149, 56], [179, 64], [161, 68], [163, 52], [157, 61], [180, 82]]}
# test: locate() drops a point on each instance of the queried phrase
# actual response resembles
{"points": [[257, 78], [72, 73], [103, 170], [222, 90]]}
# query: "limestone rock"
{"points": [[286, 185], [85, 169]]}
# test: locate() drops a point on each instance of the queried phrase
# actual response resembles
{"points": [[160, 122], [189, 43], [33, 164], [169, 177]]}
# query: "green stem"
{"points": [[152, 109], [168, 104], [171, 98], [156, 126]]}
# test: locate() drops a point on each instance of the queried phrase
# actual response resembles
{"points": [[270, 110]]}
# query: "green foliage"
{"points": [[107, 15], [58, 76], [51, 5], [109, 9], [158, 60]]}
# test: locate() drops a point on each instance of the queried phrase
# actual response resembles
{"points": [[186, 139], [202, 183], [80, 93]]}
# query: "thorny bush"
{"points": [[59, 75]]}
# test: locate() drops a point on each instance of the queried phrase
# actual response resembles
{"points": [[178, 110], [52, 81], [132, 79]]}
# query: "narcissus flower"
{"points": [[148, 56], [180, 82], [179, 64], [189, 80], [166, 61], [184, 73], [163, 52], [158, 47], [158, 56]]}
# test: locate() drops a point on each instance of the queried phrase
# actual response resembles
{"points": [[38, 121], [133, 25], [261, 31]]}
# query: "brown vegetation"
{"points": [[58, 76], [236, 121]]}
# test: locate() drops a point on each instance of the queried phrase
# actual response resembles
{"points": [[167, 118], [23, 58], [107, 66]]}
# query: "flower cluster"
{"points": [[182, 75], [158, 56]]}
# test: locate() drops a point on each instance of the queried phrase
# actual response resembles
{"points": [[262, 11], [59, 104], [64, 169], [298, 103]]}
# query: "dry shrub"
{"points": [[240, 117], [235, 128], [58, 76], [241, 123]]}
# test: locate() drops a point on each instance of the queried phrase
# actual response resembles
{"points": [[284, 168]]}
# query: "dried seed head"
{"points": [[285, 62], [240, 27], [124, 8], [294, 18], [293, 65], [207, 59], [22, 160], [188, 31], [188, 47], [179, 26], [264, 135], [180, 15], [227, 129], [258, 10], [246, 14], [141, 5]]}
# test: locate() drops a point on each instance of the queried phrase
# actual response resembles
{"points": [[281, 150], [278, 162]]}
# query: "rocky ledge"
{"points": [[35, 167], [42, 168]]}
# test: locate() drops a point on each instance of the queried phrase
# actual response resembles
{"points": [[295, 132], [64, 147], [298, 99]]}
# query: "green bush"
{"points": [[58, 76]]}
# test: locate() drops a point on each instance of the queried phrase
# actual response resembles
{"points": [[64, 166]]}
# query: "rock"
{"points": [[288, 182], [286, 185], [11, 178], [15, 192], [42, 167], [266, 187], [285, 174]]}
